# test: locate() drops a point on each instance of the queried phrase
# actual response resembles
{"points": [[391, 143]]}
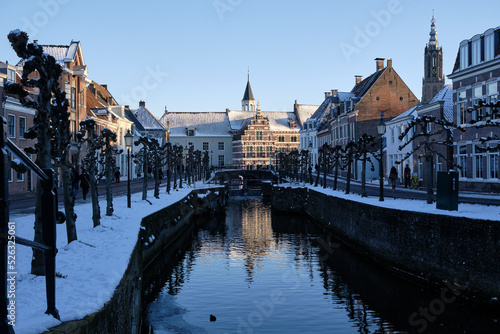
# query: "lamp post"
{"points": [[309, 158], [129, 138], [381, 132]]}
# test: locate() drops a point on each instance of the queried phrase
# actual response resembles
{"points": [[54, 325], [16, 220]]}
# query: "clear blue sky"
{"points": [[194, 55]]}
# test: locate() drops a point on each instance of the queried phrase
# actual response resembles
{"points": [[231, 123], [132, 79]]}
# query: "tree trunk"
{"points": [[157, 178], [336, 175], [69, 203], [145, 172], [363, 176], [348, 183], [430, 191], [43, 160], [109, 187], [96, 210]]}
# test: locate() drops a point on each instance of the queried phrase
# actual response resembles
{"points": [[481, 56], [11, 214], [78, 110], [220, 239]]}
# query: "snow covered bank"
{"points": [[89, 269]]}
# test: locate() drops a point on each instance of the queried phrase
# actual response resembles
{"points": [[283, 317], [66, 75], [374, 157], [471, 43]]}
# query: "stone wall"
{"points": [[122, 314], [434, 248]]}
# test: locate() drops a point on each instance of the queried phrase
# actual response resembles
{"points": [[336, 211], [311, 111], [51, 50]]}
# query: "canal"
{"points": [[258, 271]]}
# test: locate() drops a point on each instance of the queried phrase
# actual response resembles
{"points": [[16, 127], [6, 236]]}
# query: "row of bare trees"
{"points": [[51, 128]]}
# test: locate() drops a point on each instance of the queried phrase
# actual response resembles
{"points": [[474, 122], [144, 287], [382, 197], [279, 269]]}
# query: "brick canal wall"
{"points": [[122, 314], [435, 248]]}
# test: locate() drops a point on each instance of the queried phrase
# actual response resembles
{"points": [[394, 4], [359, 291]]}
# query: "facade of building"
{"points": [[19, 119], [476, 77], [105, 111], [73, 81], [433, 80], [204, 131]]}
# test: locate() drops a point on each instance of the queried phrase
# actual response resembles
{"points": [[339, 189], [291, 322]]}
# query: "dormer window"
{"points": [[190, 131]]}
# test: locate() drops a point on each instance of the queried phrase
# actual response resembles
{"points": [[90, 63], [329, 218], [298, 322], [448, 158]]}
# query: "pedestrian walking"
{"points": [[407, 175], [75, 180], [117, 175], [393, 176], [85, 183]]}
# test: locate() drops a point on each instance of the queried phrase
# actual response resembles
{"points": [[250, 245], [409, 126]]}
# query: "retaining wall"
{"points": [[122, 314], [436, 248]]}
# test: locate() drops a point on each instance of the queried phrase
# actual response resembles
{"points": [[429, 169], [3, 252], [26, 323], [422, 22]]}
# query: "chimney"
{"points": [[166, 111], [389, 63], [142, 104], [105, 86], [335, 92], [358, 78], [380, 63], [327, 95], [127, 106]]}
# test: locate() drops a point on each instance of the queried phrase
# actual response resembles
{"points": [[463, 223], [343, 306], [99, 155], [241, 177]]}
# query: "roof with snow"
{"points": [[362, 87], [61, 53], [445, 95], [278, 120], [205, 124], [412, 112], [304, 112], [146, 118]]}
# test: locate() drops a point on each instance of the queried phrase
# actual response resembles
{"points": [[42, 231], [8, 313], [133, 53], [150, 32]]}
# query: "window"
{"points": [[392, 135], [464, 55], [258, 135], [221, 161], [22, 126], [491, 97], [259, 152], [462, 160], [294, 139], [12, 126], [73, 130], [73, 98], [489, 45], [20, 177], [439, 162], [221, 146], [205, 146], [11, 75], [82, 98], [477, 94], [190, 132], [476, 51], [190, 144], [421, 168], [477, 162], [493, 164], [461, 113], [281, 139]]}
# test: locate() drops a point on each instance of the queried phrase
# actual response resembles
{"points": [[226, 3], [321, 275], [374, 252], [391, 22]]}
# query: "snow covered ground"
{"points": [[92, 267]]}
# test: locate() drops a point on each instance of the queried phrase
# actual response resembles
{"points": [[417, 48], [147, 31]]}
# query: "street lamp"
{"points": [[309, 157], [381, 132], [129, 138]]}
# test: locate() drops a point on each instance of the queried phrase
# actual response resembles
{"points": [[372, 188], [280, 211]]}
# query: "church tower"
{"points": [[433, 79], [248, 101]]}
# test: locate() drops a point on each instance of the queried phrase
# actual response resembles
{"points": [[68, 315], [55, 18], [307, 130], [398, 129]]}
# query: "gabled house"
{"points": [[105, 111], [146, 123], [73, 81]]}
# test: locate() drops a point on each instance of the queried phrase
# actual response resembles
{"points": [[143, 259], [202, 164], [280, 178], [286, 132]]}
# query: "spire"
{"points": [[433, 42], [248, 92]]}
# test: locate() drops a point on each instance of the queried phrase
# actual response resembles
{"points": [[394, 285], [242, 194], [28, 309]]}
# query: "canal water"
{"points": [[257, 271]]}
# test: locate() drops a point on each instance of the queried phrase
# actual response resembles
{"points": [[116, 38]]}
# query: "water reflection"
{"points": [[262, 272]]}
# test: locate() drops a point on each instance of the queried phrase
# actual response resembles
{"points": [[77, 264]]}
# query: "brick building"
{"points": [[476, 77], [19, 119]]}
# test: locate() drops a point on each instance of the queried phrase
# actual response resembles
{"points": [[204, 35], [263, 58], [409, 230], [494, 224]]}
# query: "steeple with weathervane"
{"points": [[248, 101], [433, 79]]}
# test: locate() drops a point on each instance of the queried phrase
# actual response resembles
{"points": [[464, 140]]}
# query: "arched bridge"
{"points": [[246, 182]]}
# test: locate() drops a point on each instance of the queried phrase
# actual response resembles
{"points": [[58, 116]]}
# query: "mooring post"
{"points": [[49, 214]]}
